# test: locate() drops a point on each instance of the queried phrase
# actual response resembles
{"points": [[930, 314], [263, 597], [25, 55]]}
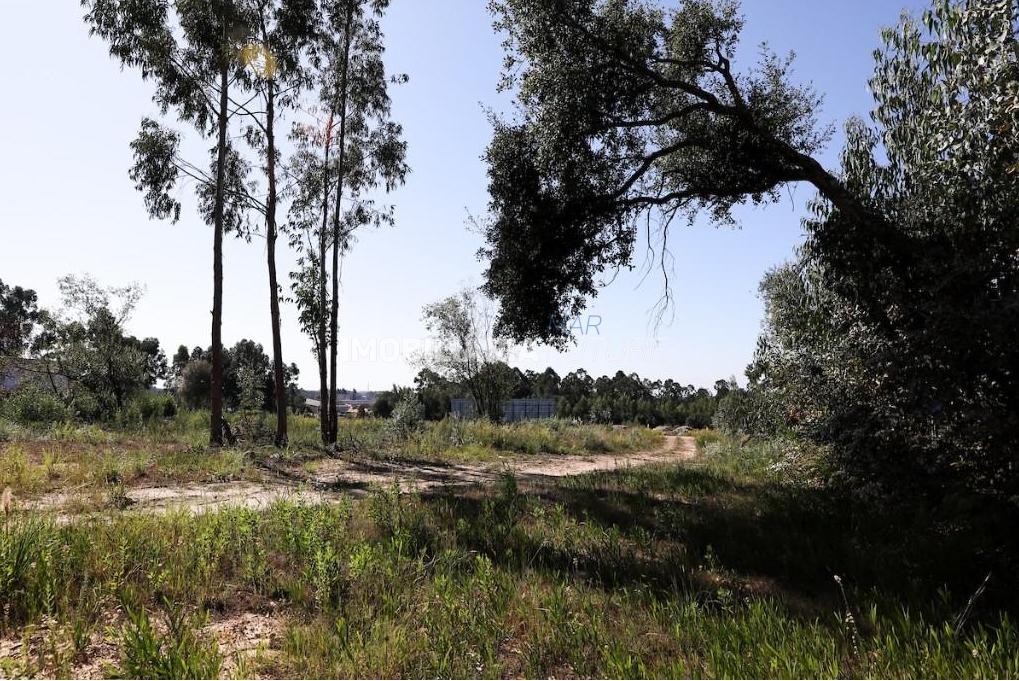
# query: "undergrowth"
{"points": [[720, 568]]}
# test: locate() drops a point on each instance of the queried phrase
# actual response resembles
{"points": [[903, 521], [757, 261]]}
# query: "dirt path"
{"points": [[332, 479]]}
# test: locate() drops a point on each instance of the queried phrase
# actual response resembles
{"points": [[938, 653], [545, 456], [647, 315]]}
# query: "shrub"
{"points": [[749, 412], [408, 415], [159, 406], [86, 406], [196, 384], [32, 404], [148, 407], [698, 420], [179, 654], [384, 404]]}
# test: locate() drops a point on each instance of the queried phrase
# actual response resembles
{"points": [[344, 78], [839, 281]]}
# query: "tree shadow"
{"points": [[704, 531]]}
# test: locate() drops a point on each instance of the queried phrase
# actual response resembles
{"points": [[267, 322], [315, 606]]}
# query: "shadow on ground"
{"points": [[695, 530]]}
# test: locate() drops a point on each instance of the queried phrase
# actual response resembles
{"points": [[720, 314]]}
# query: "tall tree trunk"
{"points": [[323, 366], [216, 398], [270, 240], [335, 306]]}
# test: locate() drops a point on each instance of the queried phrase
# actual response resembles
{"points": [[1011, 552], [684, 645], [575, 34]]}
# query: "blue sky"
{"points": [[70, 207]]}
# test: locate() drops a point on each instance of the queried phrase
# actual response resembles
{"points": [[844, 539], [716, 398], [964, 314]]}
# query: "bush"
{"points": [[386, 402], [149, 407], [698, 420], [159, 406], [749, 412], [87, 407], [196, 384], [407, 417], [32, 404]]}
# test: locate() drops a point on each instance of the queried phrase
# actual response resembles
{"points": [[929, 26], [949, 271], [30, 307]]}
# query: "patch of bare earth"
{"points": [[332, 479], [45, 650], [423, 476], [247, 641]]}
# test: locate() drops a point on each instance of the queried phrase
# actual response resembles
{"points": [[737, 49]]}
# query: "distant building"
{"points": [[346, 409], [532, 409]]}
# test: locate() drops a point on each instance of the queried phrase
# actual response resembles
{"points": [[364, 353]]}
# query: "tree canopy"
{"points": [[19, 312], [629, 116], [892, 336], [927, 393]]}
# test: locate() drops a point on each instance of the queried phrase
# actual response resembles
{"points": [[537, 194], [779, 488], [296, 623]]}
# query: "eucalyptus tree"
{"points": [[466, 352], [362, 151], [188, 49], [629, 116], [310, 170], [282, 32]]}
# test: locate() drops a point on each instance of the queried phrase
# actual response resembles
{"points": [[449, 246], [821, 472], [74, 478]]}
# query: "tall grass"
{"points": [[33, 468], [88, 458], [471, 440], [179, 653]]}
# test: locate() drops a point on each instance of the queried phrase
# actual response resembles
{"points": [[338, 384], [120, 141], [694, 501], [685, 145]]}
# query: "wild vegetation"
{"points": [[852, 512], [65, 455], [724, 567], [870, 345]]}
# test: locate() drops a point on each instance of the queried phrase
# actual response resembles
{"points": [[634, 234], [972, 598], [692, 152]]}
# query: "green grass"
{"points": [[180, 653], [720, 568], [34, 467], [454, 440], [704, 436]]}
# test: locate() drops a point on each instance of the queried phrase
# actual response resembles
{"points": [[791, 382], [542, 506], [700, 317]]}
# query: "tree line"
{"points": [[620, 399]]}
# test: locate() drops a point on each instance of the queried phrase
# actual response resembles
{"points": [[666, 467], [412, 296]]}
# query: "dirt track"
{"points": [[333, 479]]}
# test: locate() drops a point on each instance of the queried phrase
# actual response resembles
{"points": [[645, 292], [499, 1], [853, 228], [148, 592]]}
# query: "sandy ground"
{"points": [[332, 479]]}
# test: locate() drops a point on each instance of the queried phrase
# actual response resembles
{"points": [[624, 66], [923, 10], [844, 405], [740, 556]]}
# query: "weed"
{"points": [[180, 653], [117, 497]]}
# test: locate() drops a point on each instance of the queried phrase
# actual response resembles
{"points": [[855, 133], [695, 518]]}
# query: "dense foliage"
{"points": [[87, 355], [908, 363], [892, 337], [81, 363], [629, 115], [19, 312]]}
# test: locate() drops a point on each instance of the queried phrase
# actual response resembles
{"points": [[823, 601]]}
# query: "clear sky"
{"points": [[69, 206]]}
